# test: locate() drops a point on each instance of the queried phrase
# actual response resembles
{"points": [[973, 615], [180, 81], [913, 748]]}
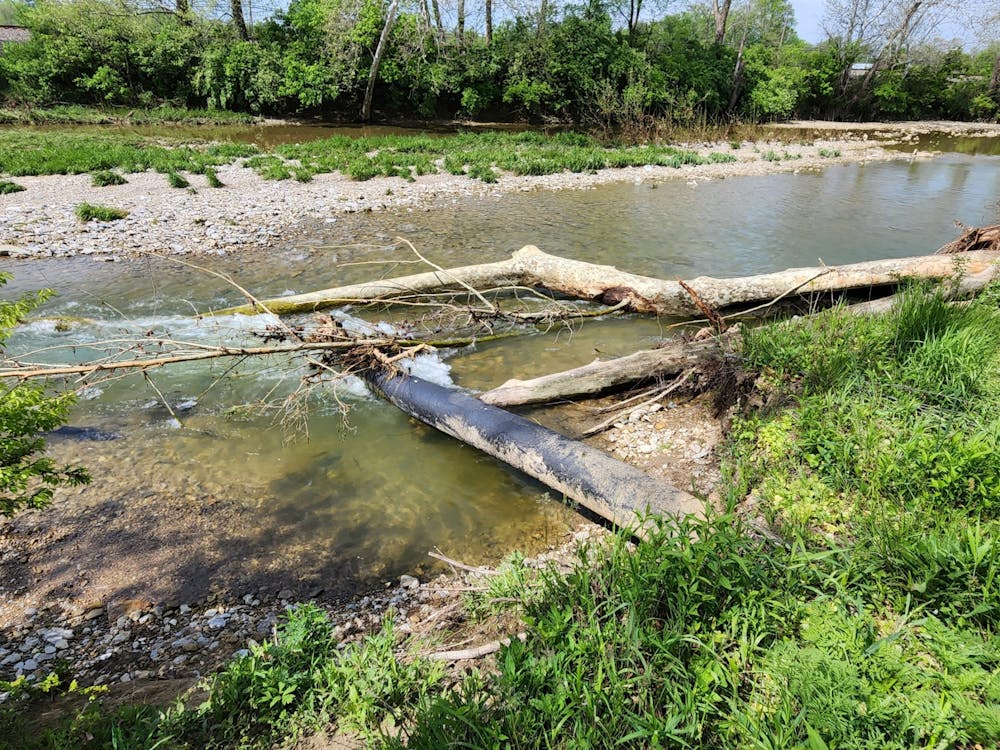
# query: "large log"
{"points": [[601, 376], [604, 375], [614, 490], [529, 266]]}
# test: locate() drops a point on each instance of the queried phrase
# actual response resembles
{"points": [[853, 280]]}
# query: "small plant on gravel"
{"points": [[91, 212], [106, 177], [177, 180], [7, 187], [212, 178], [828, 153]]}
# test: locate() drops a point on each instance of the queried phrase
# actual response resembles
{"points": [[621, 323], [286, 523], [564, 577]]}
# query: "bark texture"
{"points": [[604, 375], [614, 490], [529, 266]]}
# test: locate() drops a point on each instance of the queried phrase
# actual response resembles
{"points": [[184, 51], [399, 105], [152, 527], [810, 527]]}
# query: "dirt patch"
{"points": [[677, 441]]}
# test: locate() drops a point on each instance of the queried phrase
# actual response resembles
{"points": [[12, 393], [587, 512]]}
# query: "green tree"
{"points": [[28, 479]]}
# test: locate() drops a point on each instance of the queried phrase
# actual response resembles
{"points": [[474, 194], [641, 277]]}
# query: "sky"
{"points": [[809, 17]]}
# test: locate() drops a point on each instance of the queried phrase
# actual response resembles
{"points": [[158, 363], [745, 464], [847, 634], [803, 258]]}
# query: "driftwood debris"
{"points": [[612, 489], [530, 267], [605, 375]]}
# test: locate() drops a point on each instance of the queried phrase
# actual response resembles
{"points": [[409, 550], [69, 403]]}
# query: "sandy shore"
{"points": [[252, 212]]}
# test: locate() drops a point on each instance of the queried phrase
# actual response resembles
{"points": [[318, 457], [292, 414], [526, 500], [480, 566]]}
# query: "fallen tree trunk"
{"points": [[529, 266], [604, 375], [612, 489]]}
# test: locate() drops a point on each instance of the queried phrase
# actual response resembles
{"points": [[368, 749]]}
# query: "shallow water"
{"points": [[378, 493]]}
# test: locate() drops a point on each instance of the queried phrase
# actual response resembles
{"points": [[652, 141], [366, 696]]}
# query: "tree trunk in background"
{"points": [[460, 26], [383, 42], [437, 17], [239, 21], [721, 15], [489, 21], [182, 8]]}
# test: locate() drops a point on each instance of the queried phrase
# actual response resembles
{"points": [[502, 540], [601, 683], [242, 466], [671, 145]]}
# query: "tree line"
{"points": [[602, 63]]}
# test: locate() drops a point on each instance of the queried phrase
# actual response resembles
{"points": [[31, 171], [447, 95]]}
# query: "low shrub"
{"points": [[106, 177], [91, 212]]}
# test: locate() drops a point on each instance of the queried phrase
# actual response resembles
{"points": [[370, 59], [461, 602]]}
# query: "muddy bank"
{"points": [[250, 212]]}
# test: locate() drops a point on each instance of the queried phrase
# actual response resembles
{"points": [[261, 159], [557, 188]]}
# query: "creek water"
{"points": [[371, 496]]}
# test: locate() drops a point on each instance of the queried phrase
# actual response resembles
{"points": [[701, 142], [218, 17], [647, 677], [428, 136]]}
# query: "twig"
{"points": [[436, 554], [665, 392], [232, 282], [152, 385], [709, 312], [477, 652], [472, 290]]}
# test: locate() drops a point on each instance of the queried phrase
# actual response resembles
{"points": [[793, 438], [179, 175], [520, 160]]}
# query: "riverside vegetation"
{"points": [[848, 596], [604, 65], [480, 156]]}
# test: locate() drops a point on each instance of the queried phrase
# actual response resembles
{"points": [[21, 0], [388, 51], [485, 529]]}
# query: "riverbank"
{"points": [[845, 601], [253, 212]]}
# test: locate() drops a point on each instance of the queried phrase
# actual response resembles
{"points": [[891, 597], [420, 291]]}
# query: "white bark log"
{"points": [[529, 266], [603, 375]]}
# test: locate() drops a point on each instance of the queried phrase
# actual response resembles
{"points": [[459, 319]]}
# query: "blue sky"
{"points": [[809, 17]]}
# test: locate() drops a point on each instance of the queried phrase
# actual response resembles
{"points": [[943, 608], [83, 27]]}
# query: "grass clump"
{"points": [[106, 177], [45, 153], [177, 180], [702, 636], [899, 411], [301, 681], [7, 187], [212, 178], [92, 212]]}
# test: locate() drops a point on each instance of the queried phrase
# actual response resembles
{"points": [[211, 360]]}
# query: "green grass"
{"points": [[482, 156], [34, 153], [176, 180], [91, 212], [106, 177], [7, 187], [296, 683], [72, 114], [212, 178]]}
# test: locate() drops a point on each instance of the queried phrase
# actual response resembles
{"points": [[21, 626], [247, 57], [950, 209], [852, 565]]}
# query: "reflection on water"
{"points": [[378, 494]]}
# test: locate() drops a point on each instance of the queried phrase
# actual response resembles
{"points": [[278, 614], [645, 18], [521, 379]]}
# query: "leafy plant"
{"points": [[28, 478], [7, 187], [106, 177], [177, 180], [92, 212], [212, 178]]}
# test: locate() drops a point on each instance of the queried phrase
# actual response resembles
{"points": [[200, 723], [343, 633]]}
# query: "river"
{"points": [[342, 504]]}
